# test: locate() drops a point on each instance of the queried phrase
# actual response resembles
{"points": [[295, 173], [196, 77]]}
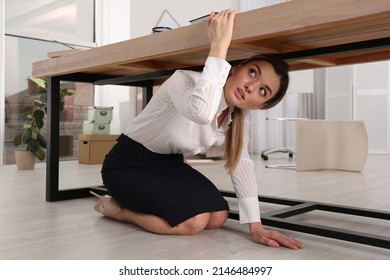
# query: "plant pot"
{"points": [[25, 160]]}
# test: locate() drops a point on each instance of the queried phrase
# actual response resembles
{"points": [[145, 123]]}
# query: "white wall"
{"points": [[145, 14], [113, 25], [301, 81]]}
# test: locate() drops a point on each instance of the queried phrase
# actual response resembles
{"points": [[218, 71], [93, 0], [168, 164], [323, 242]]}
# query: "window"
{"points": [[32, 30], [69, 21]]}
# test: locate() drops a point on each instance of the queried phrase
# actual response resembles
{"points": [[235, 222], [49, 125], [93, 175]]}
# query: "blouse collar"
{"points": [[222, 106]]}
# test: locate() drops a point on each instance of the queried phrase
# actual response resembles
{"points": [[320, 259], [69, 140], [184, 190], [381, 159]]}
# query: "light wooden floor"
{"points": [[31, 228]]}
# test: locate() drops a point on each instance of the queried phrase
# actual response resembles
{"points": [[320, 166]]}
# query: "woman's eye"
{"points": [[252, 73], [263, 91]]}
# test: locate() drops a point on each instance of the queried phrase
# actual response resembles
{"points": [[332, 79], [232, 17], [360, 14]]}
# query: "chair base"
{"points": [[291, 152]]}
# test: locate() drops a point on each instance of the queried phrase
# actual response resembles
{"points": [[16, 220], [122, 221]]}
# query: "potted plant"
{"points": [[33, 116]]}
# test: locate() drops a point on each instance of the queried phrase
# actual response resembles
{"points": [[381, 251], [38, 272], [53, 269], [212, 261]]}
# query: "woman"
{"points": [[145, 174]]}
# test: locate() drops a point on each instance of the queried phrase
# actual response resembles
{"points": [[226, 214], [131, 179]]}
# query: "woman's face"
{"points": [[251, 86]]}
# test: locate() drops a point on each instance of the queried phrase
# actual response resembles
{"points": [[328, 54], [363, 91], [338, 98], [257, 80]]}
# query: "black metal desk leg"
{"points": [[53, 193], [147, 92], [53, 136]]}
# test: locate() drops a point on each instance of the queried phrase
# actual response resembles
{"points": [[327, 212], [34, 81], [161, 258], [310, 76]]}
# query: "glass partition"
{"points": [[33, 30]]}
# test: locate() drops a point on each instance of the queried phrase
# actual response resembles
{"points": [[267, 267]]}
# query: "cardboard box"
{"points": [[93, 148]]}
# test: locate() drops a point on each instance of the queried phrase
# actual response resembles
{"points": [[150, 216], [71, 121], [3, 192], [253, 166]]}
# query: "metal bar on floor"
{"points": [[278, 218]]}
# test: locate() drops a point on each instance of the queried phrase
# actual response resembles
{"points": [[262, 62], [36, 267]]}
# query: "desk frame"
{"points": [[274, 218], [279, 218]]}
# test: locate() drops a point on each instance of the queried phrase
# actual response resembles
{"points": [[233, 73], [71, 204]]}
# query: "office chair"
{"points": [[290, 150], [330, 144]]}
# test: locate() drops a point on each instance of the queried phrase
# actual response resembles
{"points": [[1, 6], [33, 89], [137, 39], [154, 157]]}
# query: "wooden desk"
{"points": [[311, 34], [307, 33]]}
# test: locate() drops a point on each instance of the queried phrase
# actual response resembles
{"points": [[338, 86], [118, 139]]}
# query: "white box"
{"points": [[100, 114], [93, 127]]}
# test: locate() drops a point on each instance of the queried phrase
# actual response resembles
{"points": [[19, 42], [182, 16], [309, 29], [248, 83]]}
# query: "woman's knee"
{"points": [[196, 224], [217, 219], [203, 221]]}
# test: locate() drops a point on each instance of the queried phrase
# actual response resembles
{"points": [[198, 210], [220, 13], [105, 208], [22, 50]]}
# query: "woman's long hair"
{"points": [[234, 137]]}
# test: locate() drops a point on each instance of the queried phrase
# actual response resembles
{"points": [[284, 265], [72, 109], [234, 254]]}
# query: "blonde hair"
{"points": [[235, 135], [234, 139]]}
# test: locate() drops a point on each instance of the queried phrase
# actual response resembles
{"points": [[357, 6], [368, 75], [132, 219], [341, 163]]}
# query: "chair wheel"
{"points": [[264, 157], [290, 154]]}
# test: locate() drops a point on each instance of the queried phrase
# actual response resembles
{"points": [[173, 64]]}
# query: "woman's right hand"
{"points": [[272, 238], [220, 31]]}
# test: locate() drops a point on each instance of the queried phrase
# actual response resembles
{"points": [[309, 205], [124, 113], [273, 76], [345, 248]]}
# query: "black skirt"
{"points": [[158, 184]]}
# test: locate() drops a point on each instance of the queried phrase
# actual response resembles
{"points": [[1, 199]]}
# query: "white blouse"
{"points": [[182, 117]]}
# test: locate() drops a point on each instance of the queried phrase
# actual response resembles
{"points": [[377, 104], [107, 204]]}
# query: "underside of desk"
{"points": [[293, 26]]}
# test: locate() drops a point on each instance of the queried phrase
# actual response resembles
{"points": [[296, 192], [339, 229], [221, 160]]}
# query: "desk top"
{"points": [[295, 27]]}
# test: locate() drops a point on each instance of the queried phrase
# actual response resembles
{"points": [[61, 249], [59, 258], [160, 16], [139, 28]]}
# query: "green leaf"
{"points": [[39, 124], [38, 81], [38, 103], [67, 91], [43, 97], [28, 117], [39, 114], [40, 154], [33, 145], [27, 136], [18, 139], [34, 128], [27, 125], [41, 139], [26, 110]]}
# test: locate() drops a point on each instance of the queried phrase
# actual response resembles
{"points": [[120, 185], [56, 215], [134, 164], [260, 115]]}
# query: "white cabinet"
{"points": [[339, 93], [362, 92]]}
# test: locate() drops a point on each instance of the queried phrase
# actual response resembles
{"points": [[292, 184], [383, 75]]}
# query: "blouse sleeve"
{"points": [[244, 182], [198, 99]]}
